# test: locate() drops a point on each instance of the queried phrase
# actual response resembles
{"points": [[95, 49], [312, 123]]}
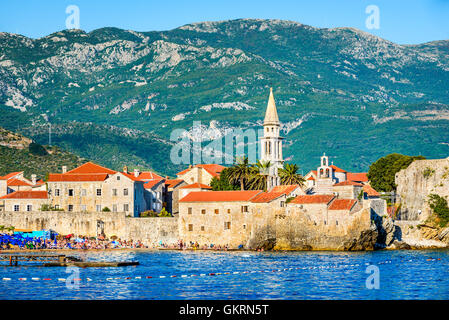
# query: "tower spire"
{"points": [[271, 115]]}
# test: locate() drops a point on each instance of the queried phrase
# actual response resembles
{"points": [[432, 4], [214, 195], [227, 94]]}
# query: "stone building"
{"points": [[186, 189], [15, 181], [23, 201], [200, 173], [215, 217], [328, 176], [171, 196], [93, 188]]}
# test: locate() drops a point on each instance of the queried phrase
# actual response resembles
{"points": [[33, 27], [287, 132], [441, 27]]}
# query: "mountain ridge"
{"points": [[324, 81]]}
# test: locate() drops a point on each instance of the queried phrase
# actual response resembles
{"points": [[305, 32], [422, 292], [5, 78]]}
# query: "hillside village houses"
{"points": [[329, 197]]}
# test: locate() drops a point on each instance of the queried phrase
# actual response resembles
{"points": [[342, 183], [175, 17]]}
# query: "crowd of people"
{"points": [[20, 242]]}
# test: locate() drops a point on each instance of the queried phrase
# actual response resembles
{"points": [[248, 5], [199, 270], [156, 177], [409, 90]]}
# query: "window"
{"points": [[336, 222], [98, 192], [244, 208], [190, 227], [83, 207], [16, 207], [83, 192], [114, 192], [227, 225], [189, 211], [126, 207], [98, 207], [70, 207], [282, 204], [70, 192], [216, 211], [29, 207], [114, 208], [203, 211], [229, 210], [118, 178], [125, 192], [325, 222], [202, 228], [57, 192], [244, 227]]}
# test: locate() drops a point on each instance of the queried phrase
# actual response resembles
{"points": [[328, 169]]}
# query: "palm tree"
{"points": [[289, 175], [260, 173], [241, 172]]}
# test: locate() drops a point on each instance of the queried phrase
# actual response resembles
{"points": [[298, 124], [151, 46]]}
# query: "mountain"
{"points": [[342, 91], [19, 153]]}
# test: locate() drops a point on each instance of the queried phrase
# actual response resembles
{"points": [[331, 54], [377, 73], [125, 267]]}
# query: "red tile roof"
{"points": [[61, 177], [39, 182], [348, 183], [213, 169], [342, 204], [314, 198], [266, 197], [171, 183], [131, 176], [91, 167], [196, 185], [26, 195], [285, 189], [152, 183], [357, 176], [17, 183], [148, 175], [337, 169], [220, 196], [10, 175], [370, 191]]}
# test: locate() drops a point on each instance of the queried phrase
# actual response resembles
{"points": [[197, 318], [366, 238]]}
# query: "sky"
{"points": [[400, 21]]}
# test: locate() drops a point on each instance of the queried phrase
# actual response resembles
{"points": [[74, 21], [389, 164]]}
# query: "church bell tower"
{"points": [[271, 143]]}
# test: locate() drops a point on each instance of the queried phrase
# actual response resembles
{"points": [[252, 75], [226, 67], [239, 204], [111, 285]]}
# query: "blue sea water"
{"points": [[269, 275]]}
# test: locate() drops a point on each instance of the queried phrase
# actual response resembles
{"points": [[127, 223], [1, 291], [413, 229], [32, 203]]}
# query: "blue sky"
{"points": [[401, 21]]}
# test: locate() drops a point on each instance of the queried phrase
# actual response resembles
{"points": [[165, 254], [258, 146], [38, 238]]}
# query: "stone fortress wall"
{"points": [[148, 230]]}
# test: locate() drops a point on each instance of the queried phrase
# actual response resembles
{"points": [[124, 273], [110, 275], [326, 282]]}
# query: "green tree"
{"points": [[440, 208], [289, 175], [164, 213], [241, 172], [382, 172], [37, 149], [223, 182], [259, 175]]}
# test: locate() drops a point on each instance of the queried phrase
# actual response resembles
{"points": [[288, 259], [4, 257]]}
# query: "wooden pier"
{"points": [[61, 261]]}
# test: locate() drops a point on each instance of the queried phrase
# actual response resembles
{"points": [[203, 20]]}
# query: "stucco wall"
{"points": [[148, 230]]}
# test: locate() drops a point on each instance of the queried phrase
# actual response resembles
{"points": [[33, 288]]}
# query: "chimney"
{"points": [[64, 169], [125, 169], [33, 179], [136, 172]]}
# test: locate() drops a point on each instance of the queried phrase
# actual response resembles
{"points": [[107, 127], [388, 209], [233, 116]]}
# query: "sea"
{"points": [[235, 275]]}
